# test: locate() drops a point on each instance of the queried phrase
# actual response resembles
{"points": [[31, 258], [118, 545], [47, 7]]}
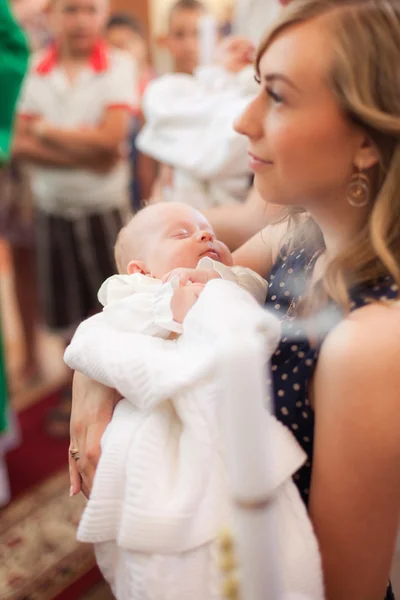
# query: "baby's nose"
{"points": [[205, 236]]}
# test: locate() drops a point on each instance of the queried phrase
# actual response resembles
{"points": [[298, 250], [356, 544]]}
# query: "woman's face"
{"points": [[302, 148]]}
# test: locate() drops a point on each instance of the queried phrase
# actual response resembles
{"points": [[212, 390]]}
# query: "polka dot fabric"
{"points": [[294, 361]]}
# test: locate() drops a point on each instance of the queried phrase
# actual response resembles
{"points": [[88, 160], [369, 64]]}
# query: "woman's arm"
{"points": [[235, 224], [355, 490], [261, 251], [92, 408]]}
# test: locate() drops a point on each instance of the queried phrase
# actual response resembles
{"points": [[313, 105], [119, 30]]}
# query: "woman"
{"points": [[324, 136]]}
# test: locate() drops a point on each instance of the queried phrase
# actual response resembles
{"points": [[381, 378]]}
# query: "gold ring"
{"points": [[74, 453]]}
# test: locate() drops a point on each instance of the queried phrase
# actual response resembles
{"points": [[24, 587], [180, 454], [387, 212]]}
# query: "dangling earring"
{"points": [[358, 191]]}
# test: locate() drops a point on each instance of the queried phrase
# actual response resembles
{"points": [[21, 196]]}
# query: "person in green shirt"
{"points": [[14, 55]]}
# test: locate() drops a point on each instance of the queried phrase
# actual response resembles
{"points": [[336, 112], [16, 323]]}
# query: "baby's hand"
{"points": [[183, 300], [186, 276], [234, 53]]}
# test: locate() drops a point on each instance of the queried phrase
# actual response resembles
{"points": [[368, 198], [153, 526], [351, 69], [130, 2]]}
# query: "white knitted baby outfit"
{"points": [[160, 495]]}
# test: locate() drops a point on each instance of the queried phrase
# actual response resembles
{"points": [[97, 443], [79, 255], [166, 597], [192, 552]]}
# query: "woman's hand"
{"points": [[92, 408]]}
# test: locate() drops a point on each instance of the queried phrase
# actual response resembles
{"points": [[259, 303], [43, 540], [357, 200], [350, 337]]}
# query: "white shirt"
{"points": [[108, 81], [255, 17], [190, 126], [142, 304]]}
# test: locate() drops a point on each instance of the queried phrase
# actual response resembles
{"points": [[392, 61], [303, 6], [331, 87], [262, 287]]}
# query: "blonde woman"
{"points": [[324, 141]]}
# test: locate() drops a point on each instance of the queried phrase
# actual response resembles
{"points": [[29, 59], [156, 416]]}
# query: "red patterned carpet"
{"points": [[39, 556]]}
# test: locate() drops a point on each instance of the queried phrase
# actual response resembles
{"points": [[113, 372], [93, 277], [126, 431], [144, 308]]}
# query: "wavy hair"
{"points": [[365, 78]]}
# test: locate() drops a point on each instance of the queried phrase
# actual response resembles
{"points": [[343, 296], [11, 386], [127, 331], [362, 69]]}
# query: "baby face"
{"points": [[172, 236], [182, 238]]}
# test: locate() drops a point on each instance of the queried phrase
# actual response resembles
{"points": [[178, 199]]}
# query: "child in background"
{"points": [[182, 43], [126, 33], [182, 37], [189, 123], [73, 119]]}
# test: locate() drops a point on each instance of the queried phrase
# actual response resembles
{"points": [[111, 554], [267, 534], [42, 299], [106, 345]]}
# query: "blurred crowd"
{"points": [[99, 134]]}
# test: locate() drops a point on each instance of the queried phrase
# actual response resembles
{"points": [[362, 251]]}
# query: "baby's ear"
{"points": [[137, 266]]}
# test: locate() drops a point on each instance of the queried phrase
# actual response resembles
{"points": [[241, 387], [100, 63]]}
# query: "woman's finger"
{"points": [[88, 460], [92, 408], [74, 476], [85, 491]]}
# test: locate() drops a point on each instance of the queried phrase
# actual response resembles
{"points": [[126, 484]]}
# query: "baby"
{"points": [[160, 494], [161, 243]]}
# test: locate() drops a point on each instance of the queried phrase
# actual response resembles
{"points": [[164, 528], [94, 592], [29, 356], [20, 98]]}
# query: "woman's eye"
{"points": [[274, 96]]}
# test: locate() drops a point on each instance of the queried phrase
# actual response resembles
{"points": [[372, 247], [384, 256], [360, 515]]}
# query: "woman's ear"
{"points": [[137, 266], [367, 156]]}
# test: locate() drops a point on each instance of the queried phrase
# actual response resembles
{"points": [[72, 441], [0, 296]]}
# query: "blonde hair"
{"points": [[120, 253], [128, 244], [366, 54]]}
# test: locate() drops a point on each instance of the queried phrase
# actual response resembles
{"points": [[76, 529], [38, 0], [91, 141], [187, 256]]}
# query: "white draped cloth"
{"points": [[190, 126], [160, 495]]}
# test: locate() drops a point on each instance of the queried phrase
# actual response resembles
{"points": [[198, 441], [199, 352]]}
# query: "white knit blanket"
{"points": [[161, 485]]}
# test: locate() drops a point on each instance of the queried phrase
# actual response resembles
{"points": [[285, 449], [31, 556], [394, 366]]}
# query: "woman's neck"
{"points": [[339, 225]]}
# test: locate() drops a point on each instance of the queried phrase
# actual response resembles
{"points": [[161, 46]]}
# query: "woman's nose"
{"points": [[250, 122]]}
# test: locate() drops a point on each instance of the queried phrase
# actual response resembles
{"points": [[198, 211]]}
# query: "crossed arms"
{"points": [[97, 149]]}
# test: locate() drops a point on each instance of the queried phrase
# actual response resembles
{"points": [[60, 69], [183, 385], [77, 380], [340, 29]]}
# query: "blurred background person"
{"points": [[189, 126], [73, 120], [13, 64], [127, 33], [226, 22], [181, 39], [181, 42], [17, 228], [16, 218], [32, 17]]}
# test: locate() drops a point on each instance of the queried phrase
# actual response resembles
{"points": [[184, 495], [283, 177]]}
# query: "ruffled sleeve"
{"points": [[139, 304], [247, 279]]}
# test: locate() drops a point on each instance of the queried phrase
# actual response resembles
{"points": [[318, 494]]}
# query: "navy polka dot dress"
{"points": [[294, 361]]}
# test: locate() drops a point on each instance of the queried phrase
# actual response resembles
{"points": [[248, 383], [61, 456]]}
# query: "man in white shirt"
{"points": [[73, 120]]}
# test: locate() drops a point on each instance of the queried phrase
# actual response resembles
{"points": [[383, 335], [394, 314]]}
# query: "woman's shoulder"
{"points": [[370, 333], [262, 250], [365, 331], [359, 365]]}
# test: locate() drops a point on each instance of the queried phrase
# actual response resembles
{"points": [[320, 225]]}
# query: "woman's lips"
{"points": [[258, 163]]}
